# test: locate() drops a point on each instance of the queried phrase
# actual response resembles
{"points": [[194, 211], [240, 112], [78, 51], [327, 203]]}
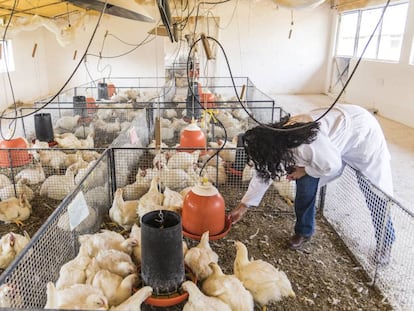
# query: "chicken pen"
{"points": [[326, 277], [336, 271]]}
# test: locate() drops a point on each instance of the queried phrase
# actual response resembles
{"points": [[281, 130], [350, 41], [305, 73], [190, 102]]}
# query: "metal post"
{"points": [[111, 173], [322, 197]]}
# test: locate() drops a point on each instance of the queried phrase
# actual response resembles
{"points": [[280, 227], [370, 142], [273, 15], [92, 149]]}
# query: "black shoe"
{"points": [[297, 241]]}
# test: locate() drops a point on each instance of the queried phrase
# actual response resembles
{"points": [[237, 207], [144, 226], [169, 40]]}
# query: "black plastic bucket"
{"points": [[193, 102], [162, 259], [79, 105], [102, 91], [43, 127]]}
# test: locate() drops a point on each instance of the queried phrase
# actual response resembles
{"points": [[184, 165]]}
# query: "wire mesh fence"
{"points": [[379, 233], [23, 283]]}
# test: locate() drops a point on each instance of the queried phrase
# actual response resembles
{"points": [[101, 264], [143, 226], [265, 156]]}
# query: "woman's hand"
{"points": [[298, 173], [237, 213]]}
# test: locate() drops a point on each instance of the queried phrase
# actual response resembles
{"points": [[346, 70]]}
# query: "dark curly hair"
{"points": [[271, 151]]}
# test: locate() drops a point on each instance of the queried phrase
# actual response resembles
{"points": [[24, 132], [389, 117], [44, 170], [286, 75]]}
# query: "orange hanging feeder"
{"points": [[192, 137], [10, 157], [204, 210]]}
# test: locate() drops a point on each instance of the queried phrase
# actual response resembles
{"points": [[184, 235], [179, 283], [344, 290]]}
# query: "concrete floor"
{"points": [[400, 139]]}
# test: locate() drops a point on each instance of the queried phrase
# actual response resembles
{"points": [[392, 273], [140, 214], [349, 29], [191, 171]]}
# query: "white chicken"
{"points": [[173, 201], [40, 144], [150, 201], [52, 158], [15, 210], [264, 281], [199, 257], [286, 189], [106, 239], [11, 244], [68, 140], [153, 145], [33, 175], [74, 271], [10, 296], [124, 213], [229, 289], [197, 301], [21, 188], [136, 250], [57, 187], [175, 179], [77, 296], [4, 181], [248, 173], [116, 262], [137, 189], [134, 302], [228, 153], [170, 113], [68, 122], [183, 160], [116, 288]]}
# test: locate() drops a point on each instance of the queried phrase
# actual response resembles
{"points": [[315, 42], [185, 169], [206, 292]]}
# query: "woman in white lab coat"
{"points": [[316, 153]]}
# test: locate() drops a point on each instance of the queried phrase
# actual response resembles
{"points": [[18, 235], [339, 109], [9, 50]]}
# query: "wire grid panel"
{"points": [[378, 231], [135, 168], [104, 122], [55, 243], [47, 172]]}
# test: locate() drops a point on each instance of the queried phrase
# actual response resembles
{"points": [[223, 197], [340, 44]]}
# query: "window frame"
{"points": [[358, 29], [6, 55]]}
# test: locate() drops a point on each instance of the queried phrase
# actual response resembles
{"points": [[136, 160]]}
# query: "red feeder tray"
{"points": [[173, 299], [219, 236]]}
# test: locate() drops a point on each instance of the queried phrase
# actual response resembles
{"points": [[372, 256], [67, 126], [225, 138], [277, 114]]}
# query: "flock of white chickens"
{"points": [[104, 274]]}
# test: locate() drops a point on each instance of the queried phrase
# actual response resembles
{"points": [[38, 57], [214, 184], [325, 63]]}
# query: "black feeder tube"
{"points": [[162, 259]]}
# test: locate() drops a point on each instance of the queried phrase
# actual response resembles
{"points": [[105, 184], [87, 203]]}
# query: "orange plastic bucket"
{"points": [[192, 137], [203, 210], [13, 158]]}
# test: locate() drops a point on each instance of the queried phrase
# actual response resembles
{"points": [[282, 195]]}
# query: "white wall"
{"points": [[29, 79], [258, 46], [386, 86], [140, 62], [52, 65]]}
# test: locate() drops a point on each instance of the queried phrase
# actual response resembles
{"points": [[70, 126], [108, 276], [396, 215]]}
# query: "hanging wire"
{"points": [[328, 109], [71, 75]]}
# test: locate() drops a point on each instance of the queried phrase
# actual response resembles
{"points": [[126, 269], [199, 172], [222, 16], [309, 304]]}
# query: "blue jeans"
{"points": [[306, 189]]}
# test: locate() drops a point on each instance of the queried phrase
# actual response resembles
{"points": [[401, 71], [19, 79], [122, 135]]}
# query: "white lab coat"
{"points": [[348, 135]]}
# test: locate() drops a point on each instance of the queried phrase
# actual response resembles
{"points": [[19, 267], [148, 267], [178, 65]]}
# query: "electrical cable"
{"points": [[329, 108], [143, 42], [71, 75]]}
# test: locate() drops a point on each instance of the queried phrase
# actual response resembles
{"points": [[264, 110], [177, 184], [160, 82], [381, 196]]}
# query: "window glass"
{"points": [[369, 19], [6, 55], [392, 31], [356, 27], [346, 34]]}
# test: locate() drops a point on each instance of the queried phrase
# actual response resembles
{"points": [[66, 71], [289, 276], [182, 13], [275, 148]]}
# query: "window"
{"points": [[6, 55], [356, 27]]}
